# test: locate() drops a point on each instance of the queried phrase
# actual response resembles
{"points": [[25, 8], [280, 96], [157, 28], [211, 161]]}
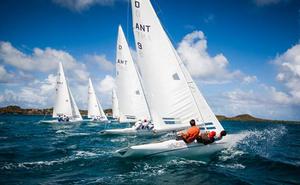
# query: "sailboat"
{"points": [[95, 111], [115, 105], [131, 101], [65, 108], [170, 89]]}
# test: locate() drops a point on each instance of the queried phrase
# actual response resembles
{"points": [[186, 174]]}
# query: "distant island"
{"points": [[16, 110]]}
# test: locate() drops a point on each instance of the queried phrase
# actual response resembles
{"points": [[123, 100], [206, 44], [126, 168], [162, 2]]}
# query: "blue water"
{"points": [[34, 153]]}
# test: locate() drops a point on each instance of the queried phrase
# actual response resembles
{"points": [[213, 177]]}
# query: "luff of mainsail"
{"points": [[171, 91], [131, 99], [94, 107]]}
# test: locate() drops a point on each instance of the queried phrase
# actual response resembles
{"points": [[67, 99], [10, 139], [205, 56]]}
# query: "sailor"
{"points": [[207, 137], [145, 124], [64, 117], [192, 133], [138, 124], [60, 118], [150, 125]]}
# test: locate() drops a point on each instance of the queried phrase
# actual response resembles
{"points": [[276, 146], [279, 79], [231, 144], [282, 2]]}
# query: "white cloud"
{"points": [[37, 94], [193, 51], [249, 79], [107, 84], [42, 61], [288, 65], [5, 76], [80, 5], [262, 101], [101, 61]]}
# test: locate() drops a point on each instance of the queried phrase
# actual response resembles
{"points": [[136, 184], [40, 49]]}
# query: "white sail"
{"points": [[171, 91], [64, 101], [131, 99], [75, 111], [115, 105], [94, 107]]}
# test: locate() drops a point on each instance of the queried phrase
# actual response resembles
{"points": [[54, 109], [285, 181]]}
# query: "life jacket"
{"points": [[191, 134]]}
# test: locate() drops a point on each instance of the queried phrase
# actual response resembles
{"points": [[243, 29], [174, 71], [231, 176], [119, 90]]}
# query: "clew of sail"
{"points": [[171, 91], [131, 99]]}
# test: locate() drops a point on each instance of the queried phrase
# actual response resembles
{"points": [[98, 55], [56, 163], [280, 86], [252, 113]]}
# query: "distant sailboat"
{"points": [[65, 108], [95, 111], [170, 90], [115, 105], [131, 99]]}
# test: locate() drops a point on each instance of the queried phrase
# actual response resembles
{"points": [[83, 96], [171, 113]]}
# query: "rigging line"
{"points": [[161, 18]]}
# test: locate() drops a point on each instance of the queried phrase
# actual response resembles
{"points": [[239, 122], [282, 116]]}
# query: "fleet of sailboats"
{"points": [[170, 90], [156, 92]]}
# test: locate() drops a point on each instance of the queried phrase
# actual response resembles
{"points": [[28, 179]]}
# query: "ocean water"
{"points": [[35, 153]]}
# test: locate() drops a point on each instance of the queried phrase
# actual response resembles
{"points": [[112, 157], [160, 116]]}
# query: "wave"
{"points": [[77, 155], [252, 142]]}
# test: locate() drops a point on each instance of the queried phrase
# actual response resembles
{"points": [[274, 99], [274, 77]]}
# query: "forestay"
{"points": [[169, 88], [131, 99]]}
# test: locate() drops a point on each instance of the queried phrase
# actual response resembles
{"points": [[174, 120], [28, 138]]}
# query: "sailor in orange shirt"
{"points": [[192, 133]]}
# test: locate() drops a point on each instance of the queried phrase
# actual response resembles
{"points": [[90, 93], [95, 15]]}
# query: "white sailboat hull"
{"points": [[98, 120], [174, 148], [56, 121], [155, 131], [124, 131]]}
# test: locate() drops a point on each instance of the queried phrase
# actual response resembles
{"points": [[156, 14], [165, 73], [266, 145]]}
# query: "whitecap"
{"points": [[118, 140], [231, 166], [85, 154]]}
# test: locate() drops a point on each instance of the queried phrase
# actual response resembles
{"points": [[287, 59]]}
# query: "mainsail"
{"points": [[131, 99], [64, 101], [94, 107], [171, 91]]}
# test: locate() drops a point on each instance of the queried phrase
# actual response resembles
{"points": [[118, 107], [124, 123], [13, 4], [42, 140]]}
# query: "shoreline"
{"points": [[16, 110]]}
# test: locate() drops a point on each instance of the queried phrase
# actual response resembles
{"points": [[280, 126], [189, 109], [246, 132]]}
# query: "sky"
{"points": [[243, 55]]}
